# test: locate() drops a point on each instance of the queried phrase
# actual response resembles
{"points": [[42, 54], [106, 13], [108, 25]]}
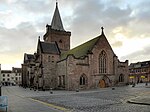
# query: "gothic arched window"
{"points": [[121, 78], [102, 62], [83, 80]]}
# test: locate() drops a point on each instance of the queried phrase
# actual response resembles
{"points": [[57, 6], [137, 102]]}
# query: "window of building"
{"points": [[3, 75], [102, 62], [83, 80], [63, 77], [52, 59], [59, 81], [3, 79], [121, 78], [12, 78], [7, 75], [8, 79], [49, 58], [16, 78], [16, 74]]}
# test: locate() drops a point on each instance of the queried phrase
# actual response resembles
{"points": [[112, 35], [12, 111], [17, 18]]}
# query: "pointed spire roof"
{"points": [[56, 21]]}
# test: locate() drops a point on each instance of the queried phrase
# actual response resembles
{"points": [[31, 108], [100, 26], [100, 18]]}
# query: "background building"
{"points": [[139, 72], [17, 75], [11, 77]]}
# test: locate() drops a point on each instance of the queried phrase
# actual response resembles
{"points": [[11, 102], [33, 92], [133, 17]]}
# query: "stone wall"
{"points": [[62, 72], [123, 69], [61, 37], [49, 70]]}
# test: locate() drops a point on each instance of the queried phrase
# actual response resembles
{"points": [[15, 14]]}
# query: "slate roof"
{"points": [[17, 70], [81, 50], [51, 48], [30, 56], [56, 21], [6, 71], [140, 64]]}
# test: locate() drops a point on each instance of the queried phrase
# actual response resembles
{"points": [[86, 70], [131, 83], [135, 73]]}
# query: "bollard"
{"points": [[77, 90], [133, 85], [51, 92], [113, 88], [146, 84]]}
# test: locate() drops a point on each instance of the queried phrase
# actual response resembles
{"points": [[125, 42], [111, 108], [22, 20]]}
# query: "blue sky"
{"points": [[126, 24]]}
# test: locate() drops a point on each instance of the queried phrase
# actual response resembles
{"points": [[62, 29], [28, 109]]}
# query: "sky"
{"points": [[126, 25]]}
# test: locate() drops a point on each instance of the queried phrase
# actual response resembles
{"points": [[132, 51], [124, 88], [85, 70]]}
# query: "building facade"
{"points": [[11, 77], [90, 65], [139, 72], [28, 70]]}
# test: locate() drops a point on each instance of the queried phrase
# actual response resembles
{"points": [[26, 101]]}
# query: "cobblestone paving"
{"points": [[99, 101]]}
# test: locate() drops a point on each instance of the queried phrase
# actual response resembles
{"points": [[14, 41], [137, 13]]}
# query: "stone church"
{"points": [[54, 65]]}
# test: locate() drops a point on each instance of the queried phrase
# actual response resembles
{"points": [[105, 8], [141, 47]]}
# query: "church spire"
{"points": [[56, 21]]}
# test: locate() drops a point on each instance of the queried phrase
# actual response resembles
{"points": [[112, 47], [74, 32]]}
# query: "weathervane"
{"points": [[56, 2]]}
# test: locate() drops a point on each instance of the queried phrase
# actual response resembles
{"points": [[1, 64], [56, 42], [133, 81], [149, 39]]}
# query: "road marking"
{"points": [[51, 105]]}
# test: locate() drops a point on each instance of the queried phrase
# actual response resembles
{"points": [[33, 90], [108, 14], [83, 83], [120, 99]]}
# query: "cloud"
{"points": [[34, 6], [22, 21], [117, 44], [140, 55], [17, 41], [89, 16], [12, 39]]}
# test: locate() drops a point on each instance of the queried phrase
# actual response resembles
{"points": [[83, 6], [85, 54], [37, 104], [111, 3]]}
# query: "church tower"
{"points": [[56, 32]]}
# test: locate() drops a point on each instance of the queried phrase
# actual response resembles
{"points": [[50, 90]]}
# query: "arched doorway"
{"points": [[102, 83], [105, 82]]}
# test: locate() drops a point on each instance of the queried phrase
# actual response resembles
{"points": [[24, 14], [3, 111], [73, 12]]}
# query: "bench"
{"points": [[4, 102]]}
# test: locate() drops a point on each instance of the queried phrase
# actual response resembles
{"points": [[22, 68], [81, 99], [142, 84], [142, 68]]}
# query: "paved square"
{"points": [[97, 100]]}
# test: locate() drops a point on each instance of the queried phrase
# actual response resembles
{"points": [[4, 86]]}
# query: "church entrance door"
{"points": [[102, 83]]}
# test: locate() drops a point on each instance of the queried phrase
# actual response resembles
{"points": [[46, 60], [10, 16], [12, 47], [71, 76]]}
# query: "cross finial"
{"points": [[39, 37], [102, 29], [56, 2]]}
